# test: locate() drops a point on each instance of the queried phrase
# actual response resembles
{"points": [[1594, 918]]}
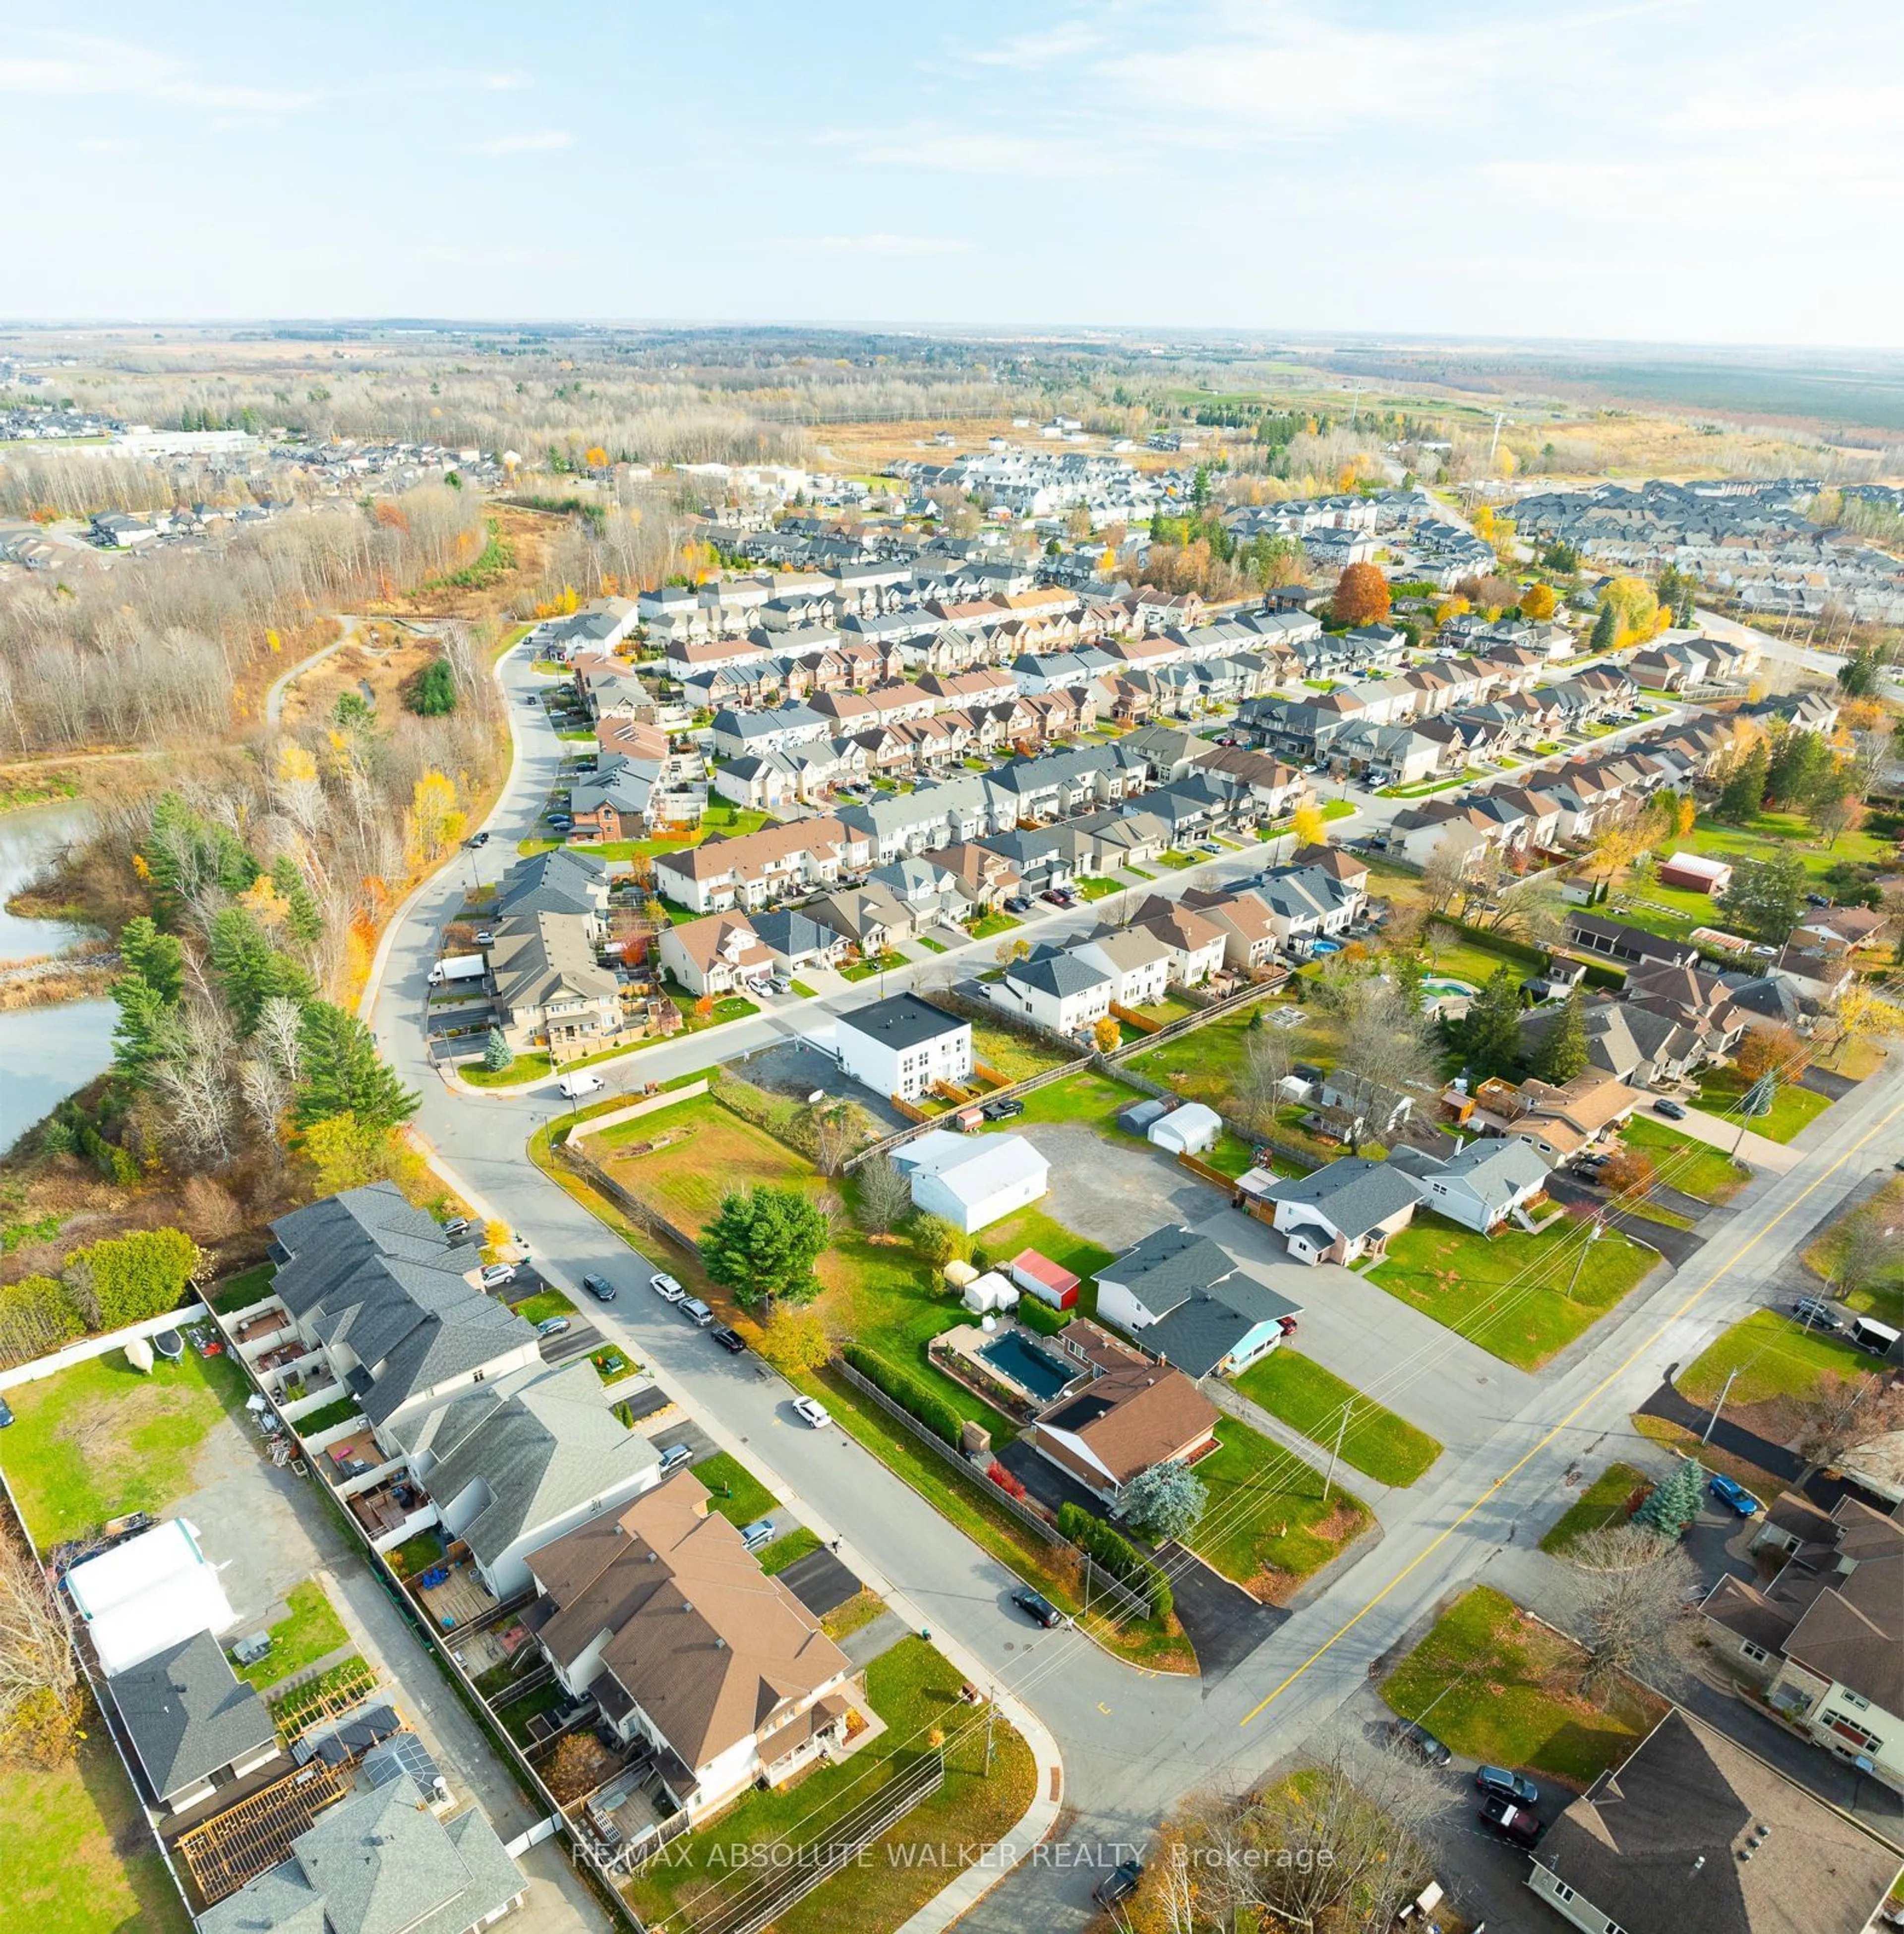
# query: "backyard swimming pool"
{"points": [[1028, 1367], [1325, 947], [1434, 984]]}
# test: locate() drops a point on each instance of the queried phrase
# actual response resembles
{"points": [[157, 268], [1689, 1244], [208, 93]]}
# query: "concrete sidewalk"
{"points": [[1716, 1132]]}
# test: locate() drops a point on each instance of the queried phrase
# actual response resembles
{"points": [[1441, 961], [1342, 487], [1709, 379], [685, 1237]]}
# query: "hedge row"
{"points": [[906, 1390], [1041, 1316], [1119, 1557]]}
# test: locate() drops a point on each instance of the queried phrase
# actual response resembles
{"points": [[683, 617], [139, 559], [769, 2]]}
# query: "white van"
{"points": [[574, 1086]]}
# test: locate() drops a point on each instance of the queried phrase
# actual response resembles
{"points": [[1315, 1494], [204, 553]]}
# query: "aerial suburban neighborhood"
{"points": [[1093, 1123]]}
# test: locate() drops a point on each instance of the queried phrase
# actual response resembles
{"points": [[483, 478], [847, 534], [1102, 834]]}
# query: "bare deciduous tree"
{"points": [[885, 1195], [41, 1693], [1637, 1605], [1841, 1413]]}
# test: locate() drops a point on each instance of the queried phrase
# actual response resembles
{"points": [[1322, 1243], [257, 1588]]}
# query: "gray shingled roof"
{"points": [[189, 1714], [1167, 1266], [1057, 975], [1356, 1194]]}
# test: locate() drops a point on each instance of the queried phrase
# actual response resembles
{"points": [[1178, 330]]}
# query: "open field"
{"points": [[1504, 1689], [1883, 1297], [100, 1439], [1515, 1294], [1299, 1392]]}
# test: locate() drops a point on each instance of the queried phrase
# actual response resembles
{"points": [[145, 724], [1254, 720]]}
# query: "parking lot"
{"points": [[1116, 1191]]}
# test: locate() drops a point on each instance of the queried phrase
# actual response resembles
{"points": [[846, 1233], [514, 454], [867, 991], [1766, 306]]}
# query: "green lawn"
{"points": [[310, 1629], [1202, 1064], [1014, 1056], [1775, 1357], [1509, 1293], [1265, 1524], [1691, 1168], [100, 1439], [915, 1692], [931, 945], [864, 970], [240, 1291], [78, 1856], [1340, 808], [1883, 1296], [545, 1303], [788, 1550], [1177, 861], [1459, 957], [1768, 832], [806, 992], [1498, 1686], [1308, 1398], [1602, 1503], [733, 1490], [989, 924], [530, 1066], [1793, 1108], [1095, 886]]}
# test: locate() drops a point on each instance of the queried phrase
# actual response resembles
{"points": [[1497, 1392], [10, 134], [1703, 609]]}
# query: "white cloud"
{"points": [[881, 245], [73, 65], [541, 141], [1073, 40]]}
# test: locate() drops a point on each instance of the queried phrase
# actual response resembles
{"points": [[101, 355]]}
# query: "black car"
{"points": [[600, 1288], [1018, 903], [1413, 1737], [1511, 1822], [1818, 899], [1042, 1611], [1002, 1111], [729, 1338], [1119, 1884], [1496, 1782]]}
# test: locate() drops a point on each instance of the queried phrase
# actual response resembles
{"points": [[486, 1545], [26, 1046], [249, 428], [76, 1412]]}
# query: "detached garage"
{"points": [[973, 1180], [1695, 873], [1188, 1130]]}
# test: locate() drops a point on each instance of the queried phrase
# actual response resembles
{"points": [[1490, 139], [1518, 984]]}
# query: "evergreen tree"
{"points": [[762, 1245], [1765, 897], [1491, 1036], [1563, 1052], [1800, 770], [1744, 793], [304, 922], [497, 1053], [1606, 628], [250, 970], [434, 694], [343, 1074], [1675, 1501], [146, 992]]}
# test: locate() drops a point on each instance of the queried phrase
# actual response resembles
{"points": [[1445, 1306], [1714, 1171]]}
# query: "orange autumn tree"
{"points": [[1361, 596]]}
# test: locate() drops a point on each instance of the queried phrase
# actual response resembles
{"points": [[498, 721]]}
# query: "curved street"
{"points": [[1132, 1742]]}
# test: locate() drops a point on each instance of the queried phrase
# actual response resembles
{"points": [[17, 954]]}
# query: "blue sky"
{"points": [[1708, 170]]}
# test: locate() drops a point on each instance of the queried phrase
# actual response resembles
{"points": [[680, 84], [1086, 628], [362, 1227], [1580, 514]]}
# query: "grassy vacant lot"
{"points": [[100, 1439], [1509, 1293], [1767, 833], [1602, 1503], [76, 1852], [1016, 1057], [1775, 1358], [1691, 1168], [1202, 1064], [1265, 1525], [1793, 1108], [310, 1629], [1504, 1689], [915, 1692], [1303, 1395]]}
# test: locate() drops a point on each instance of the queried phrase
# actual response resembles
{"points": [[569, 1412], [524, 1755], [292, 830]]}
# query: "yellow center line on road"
{"points": [[1619, 1369]]}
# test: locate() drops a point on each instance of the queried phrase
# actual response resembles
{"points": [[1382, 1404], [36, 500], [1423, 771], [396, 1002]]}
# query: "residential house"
{"points": [[1825, 1637], [751, 868], [1307, 903], [1479, 1186], [1197, 943], [513, 1462], [1631, 946], [1251, 938], [1126, 1420], [1275, 789], [972, 1181], [767, 784], [719, 955], [904, 1046], [1138, 962], [660, 1613], [795, 941], [1694, 1833], [739, 734], [372, 1285], [985, 878], [560, 882], [550, 989], [1065, 993], [1346, 1210], [1356, 1109], [1191, 1304], [1560, 1122], [872, 918], [194, 1726], [379, 1861]]}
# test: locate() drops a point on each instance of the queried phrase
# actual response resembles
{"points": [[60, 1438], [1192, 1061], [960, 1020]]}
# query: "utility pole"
{"points": [[1493, 442], [1711, 1423], [1594, 1230], [991, 1713], [1340, 1429]]}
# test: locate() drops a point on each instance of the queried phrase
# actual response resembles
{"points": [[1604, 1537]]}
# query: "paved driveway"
{"points": [[1116, 1190]]}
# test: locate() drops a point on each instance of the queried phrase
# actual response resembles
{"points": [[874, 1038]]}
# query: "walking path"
{"points": [[1761, 1152]]}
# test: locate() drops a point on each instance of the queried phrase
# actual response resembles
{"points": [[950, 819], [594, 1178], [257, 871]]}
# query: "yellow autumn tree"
{"points": [[435, 820], [1308, 824], [1538, 603], [1635, 606], [595, 457], [263, 902]]}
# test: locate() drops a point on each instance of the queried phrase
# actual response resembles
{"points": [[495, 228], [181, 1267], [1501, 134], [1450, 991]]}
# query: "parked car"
{"points": [[695, 1312], [666, 1288], [6, 1413], [674, 1456], [1413, 1737], [760, 1532], [477, 839], [1815, 1314], [813, 1412], [1119, 1884], [600, 1288], [552, 1326], [1511, 1822], [1052, 894], [1017, 903], [1042, 1611], [495, 1275], [1673, 1110], [456, 1226], [730, 1339], [485, 938], [1498, 1783], [1818, 899], [1735, 1495], [1002, 1111]]}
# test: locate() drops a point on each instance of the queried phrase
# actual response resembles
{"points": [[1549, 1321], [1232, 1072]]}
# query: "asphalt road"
{"points": [[1132, 1742]]}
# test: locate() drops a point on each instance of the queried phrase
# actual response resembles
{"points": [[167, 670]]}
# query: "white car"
{"points": [[574, 1086], [666, 1288], [810, 1411], [496, 1274]]}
